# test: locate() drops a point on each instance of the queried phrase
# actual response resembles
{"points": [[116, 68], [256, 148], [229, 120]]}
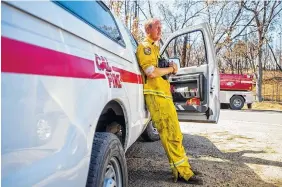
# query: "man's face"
{"points": [[156, 30]]}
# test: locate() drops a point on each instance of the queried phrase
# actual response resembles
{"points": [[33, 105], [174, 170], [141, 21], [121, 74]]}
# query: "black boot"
{"points": [[192, 180], [196, 172], [195, 180]]}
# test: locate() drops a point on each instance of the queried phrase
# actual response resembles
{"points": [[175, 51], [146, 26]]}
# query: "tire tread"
{"points": [[102, 142]]}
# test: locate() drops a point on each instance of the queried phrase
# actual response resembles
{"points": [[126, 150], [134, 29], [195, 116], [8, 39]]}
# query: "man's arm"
{"points": [[158, 72], [145, 60]]}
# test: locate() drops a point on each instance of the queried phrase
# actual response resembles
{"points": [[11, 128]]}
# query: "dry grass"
{"points": [[271, 74], [269, 149], [266, 106], [271, 91], [271, 86]]}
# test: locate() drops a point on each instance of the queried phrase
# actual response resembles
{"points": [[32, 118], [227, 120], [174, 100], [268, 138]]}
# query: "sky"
{"points": [[276, 34]]}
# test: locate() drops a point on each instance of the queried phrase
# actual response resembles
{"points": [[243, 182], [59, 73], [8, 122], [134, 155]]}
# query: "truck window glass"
{"points": [[132, 39], [189, 48], [95, 14]]}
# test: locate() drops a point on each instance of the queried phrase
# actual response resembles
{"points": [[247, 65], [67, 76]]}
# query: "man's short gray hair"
{"points": [[150, 22]]}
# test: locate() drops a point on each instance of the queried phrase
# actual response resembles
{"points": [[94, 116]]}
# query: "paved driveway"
{"points": [[243, 149]]}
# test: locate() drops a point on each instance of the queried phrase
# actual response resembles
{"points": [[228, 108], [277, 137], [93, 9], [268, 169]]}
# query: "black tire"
{"points": [[224, 106], [107, 152], [237, 102], [150, 133], [249, 105]]}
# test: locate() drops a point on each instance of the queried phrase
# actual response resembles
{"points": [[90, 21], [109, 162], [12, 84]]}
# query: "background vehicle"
{"points": [[72, 93], [236, 90]]}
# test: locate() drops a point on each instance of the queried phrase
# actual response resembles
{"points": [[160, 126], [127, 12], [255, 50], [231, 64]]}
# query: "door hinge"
{"points": [[212, 89]]}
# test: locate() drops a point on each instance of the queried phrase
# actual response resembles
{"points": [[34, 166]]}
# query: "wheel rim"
{"points": [[113, 176], [154, 130], [237, 102]]}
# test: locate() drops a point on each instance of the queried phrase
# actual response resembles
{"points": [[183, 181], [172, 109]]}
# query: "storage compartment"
{"points": [[186, 87]]}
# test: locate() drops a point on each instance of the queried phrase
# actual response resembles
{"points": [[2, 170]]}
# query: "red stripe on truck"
{"points": [[24, 58], [128, 76], [20, 57]]}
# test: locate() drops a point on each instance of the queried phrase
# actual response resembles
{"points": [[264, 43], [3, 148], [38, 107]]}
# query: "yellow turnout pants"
{"points": [[165, 119]]}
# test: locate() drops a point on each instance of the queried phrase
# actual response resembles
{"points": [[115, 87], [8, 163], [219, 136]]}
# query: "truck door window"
{"points": [[189, 48], [97, 15], [133, 41]]}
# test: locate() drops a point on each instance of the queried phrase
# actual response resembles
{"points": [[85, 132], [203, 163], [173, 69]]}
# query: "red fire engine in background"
{"points": [[236, 90]]}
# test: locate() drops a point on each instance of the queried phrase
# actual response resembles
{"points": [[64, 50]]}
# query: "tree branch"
{"points": [[195, 14], [247, 8], [162, 8], [274, 56], [142, 12], [270, 18], [276, 13], [232, 24], [243, 28], [240, 35], [150, 9]]}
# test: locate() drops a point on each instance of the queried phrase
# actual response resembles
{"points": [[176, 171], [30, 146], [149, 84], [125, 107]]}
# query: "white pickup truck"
{"points": [[72, 93]]}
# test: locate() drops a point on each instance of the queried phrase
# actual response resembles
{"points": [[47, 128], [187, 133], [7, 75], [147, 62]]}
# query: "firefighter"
{"points": [[160, 104]]}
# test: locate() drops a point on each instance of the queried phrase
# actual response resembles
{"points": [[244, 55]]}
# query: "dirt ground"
{"points": [[235, 152]]}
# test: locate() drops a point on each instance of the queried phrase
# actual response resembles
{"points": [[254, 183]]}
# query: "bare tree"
{"points": [[227, 21], [178, 15], [181, 13], [262, 19]]}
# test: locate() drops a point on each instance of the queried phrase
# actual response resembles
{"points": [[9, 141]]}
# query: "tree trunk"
{"points": [[184, 50], [259, 79], [247, 65], [231, 65]]}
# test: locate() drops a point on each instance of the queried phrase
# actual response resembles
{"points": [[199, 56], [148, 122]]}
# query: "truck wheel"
{"points": [[107, 163], [236, 102], [150, 133]]}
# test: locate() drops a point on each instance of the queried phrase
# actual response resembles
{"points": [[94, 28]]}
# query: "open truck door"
{"points": [[195, 88]]}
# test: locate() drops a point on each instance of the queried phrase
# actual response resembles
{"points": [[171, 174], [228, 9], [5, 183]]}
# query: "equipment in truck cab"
{"points": [[186, 87], [188, 92]]}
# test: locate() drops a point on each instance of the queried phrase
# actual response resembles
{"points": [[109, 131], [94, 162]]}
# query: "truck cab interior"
{"points": [[188, 51]]}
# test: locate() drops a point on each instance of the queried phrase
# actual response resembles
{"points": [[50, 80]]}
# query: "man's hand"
{"points": [[153, 72], [174, 66]]}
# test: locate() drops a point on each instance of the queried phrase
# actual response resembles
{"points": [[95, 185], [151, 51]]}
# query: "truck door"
{"points": [[195, 87]]}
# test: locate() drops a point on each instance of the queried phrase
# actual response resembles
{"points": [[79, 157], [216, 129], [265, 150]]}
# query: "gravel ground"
{"points": [[243, 149]]}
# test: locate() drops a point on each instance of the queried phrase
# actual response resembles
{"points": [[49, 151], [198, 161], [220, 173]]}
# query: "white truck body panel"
{"points": [[63, 111], [225, 96], [50, 107]]}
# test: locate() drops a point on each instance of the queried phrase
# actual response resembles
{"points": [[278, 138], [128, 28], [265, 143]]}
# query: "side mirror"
{"points": [[176, 61]]}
